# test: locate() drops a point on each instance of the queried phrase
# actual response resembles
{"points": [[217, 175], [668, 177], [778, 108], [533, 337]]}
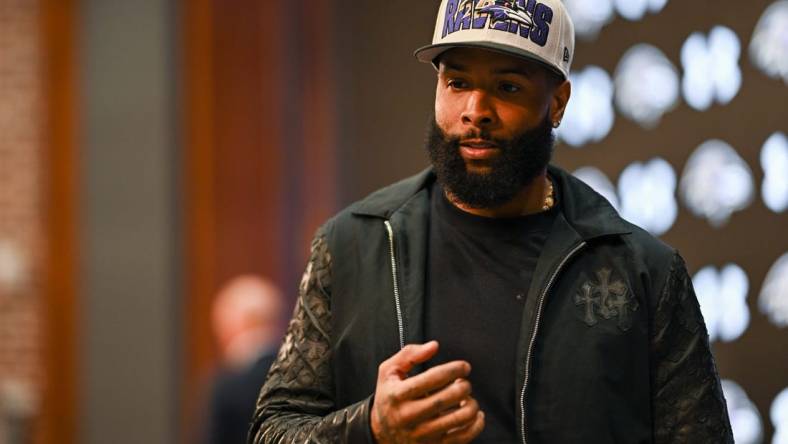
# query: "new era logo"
{"points": [[566, 54]]}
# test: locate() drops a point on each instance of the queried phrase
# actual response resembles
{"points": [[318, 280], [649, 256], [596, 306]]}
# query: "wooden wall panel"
{"points": [[249, 144], [199, 201], [235, 165], [60, 406], [320, 119]]}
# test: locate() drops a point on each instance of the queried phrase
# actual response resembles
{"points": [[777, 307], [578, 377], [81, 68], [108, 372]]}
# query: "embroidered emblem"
{"points": [[502, 10], [606, 299]]}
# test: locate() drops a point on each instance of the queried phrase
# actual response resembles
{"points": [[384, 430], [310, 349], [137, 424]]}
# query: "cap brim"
{"points": [[428, 54]]}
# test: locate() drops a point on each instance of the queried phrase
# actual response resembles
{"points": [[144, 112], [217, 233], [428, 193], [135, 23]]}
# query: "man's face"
{"points": [[492, 130]]}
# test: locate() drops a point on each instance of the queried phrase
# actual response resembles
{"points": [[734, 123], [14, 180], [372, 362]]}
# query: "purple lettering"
{"points": [[448, 21], [481, 20], [543, 16], [529, 7]]}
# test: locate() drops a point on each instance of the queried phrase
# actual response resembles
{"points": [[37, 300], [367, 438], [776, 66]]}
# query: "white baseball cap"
{"points": [[539, 30]]}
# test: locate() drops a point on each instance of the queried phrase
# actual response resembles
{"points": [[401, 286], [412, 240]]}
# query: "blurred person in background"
{"points": [[247, 318], [532, 312]]}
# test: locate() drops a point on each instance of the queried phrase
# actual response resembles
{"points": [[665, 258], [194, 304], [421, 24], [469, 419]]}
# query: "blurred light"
{"points": [[723, 301], [769, 45], [745, 419], [597, 180], [779, 416], [716, 182], [589, 16], [655, 6], [773, 300], [647, 195], [774, 161], [12, 267], [636, 9], [711, 68], [18, 401], [589, 115], [647, 85]]}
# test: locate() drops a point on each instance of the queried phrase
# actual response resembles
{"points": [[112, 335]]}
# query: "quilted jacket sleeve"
{"points": [[296, 404], [689, 406]]}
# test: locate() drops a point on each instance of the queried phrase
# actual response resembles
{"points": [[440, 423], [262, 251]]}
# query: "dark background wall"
{"points": [[385, 95]]}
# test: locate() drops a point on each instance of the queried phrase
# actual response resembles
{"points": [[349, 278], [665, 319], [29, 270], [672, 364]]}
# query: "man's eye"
{"points": [[457, 84], [509, 88]]}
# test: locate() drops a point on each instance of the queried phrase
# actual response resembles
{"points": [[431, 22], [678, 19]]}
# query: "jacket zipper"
{"points": [[536, 330], [400, 323]]}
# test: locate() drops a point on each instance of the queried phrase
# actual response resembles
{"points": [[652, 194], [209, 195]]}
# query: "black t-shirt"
{"points": [[479, 273]]}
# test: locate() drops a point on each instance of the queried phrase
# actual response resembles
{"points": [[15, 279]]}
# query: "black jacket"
{"points": [[613, 348]]}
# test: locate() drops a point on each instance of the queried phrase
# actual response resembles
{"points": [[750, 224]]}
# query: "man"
{"points": [[246, 317], [556, 321]]}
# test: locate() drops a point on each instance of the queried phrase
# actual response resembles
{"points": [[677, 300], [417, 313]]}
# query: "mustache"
{"points": [[476, 136]]}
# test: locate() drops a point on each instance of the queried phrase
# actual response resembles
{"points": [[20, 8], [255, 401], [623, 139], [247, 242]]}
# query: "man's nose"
{"points": [[479, 111]]}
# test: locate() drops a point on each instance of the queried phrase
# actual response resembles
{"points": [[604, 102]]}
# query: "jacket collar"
{"points": [[586, 211], [386, 201], [590, 214]]}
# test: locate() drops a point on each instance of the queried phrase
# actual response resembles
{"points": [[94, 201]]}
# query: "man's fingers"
{"points": [[458, 419], [466, 434], [431, 380], [417, 411], [404, 360]]}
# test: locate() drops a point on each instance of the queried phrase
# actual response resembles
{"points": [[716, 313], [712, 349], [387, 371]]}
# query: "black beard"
{"points": [[521, 159]]}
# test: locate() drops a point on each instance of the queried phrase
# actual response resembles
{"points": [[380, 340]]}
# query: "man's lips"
{"points": [[478, 149]]}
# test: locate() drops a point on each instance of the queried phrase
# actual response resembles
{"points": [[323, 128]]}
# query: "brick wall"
{"points": [[21, 236]]}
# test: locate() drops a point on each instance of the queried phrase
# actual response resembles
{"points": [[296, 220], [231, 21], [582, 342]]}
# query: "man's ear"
{"points": [[559, 100]]}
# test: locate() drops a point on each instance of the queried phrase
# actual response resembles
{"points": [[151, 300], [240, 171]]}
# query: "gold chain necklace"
{"points": [[549, 200], [548, 203]]}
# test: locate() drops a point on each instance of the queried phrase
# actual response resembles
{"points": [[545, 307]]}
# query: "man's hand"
{"points": [[435, 406]]}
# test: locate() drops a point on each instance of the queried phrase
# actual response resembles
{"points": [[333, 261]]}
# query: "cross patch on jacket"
{"points": [[607, 299]]}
